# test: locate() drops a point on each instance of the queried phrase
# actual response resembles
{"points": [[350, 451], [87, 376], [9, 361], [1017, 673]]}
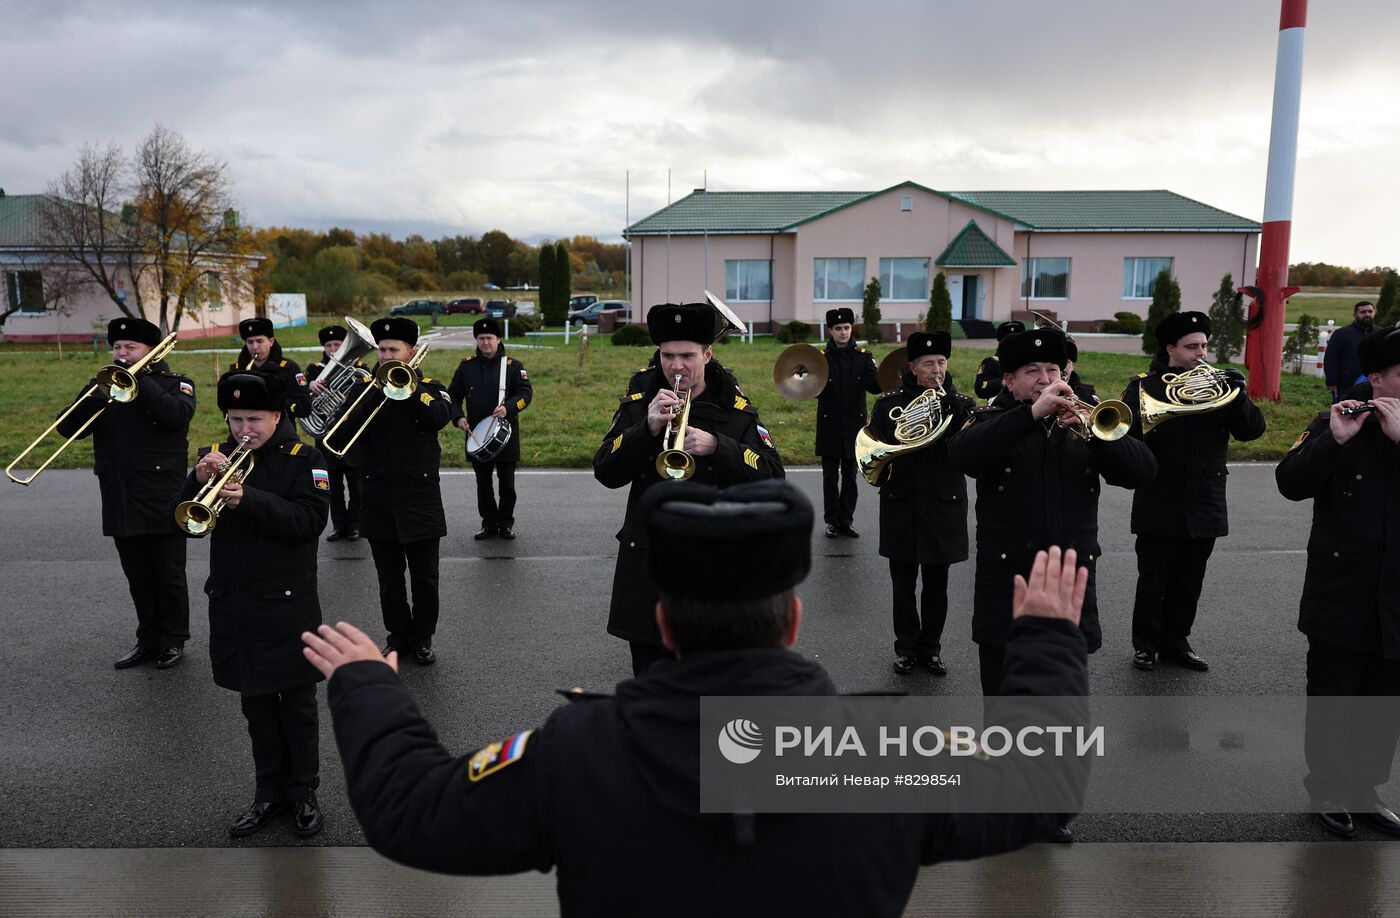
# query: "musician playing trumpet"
{"points": [[1192, 412], [262, 593], [923, 499]]}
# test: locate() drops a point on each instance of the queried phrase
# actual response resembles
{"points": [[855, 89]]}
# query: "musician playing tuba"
{"points": [[1186, 413], [344, 471], [923, 498]]}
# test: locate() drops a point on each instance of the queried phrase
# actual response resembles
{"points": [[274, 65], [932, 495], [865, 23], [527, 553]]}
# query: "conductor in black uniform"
{"points": [[345, 472], [606, 792], [403, 516], [1178, 515], [923, 505], [262, 595], [140, 453], [724, 437], [262, 353], [1350, 608], [476, 391], [841, 413]]}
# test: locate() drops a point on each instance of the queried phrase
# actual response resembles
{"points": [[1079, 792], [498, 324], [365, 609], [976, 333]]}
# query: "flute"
{"points": [[1359, 409]]}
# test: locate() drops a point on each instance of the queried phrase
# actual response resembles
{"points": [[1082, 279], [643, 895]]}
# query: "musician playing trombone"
{"points": [[1178, 516], [923, 500], [139, 458], [344, 471], [262, 591]]}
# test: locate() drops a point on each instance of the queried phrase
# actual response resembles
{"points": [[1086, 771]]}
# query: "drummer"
{"points": [[492, 389]]}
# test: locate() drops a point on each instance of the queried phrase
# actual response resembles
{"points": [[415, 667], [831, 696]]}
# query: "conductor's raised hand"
{"points": [[330, 648], [1056, 588]]}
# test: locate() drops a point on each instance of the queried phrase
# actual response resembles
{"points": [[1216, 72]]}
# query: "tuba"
{"points": [[199, 516], [339, 376], [1199, 390], [917, 425]]}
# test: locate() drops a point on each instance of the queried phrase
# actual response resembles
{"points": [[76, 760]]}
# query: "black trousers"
{"points": [[493, 515], [155, 573], [345, 496], [919, 635], [644, 654], [409, 627], [1170, 572], [989, 667], [1349, 753], [286, 751], [838, 490]]}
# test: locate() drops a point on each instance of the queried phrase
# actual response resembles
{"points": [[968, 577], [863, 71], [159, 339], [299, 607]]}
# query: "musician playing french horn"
{"points": [[723, 436], [344, 470], [1186, 412], [262, 593], [923, 498]]}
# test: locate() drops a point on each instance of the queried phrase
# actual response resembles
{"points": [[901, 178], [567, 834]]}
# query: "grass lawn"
{"points": [[575, 395]]}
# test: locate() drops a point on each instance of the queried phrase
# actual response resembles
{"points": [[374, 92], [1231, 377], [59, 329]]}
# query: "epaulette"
{"points": [[468, 357], [863, 350], [1143, 375], [987, 408], [641, 370], [426, 379], [509, 361], [578, 694], [295, 448], [742, 404], [282, 364], [631, 397], [888, 394], [211, 448]]}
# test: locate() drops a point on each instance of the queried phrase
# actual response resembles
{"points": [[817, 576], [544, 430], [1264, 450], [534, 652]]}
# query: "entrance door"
{"points": [[971, 296], [955, 293]]}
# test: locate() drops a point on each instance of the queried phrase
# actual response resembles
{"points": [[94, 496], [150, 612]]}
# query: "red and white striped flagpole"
{"points": [[1264, 348]]}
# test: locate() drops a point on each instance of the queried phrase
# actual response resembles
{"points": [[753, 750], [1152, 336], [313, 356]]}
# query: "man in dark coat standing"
{"points": [[1180, 514], [988, 381], [345, 472], [607, 791], [841, 413], [724, 439], [486, 384], [923, 503], [262, 352], [1350, 608], [140, 453], [1340, 363], [262, 594], [403, 516]]}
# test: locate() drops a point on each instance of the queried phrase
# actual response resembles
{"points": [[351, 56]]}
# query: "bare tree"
{"points": [[79, 222]]}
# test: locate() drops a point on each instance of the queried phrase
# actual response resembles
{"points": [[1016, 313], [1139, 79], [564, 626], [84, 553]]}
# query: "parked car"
{"points": [[581, 302], [500, 309], [469, 305], [526, 308], [589, 314], [419, 308]]}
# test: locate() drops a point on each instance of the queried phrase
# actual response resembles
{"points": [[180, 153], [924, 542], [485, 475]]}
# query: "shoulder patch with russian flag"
{"points": [[765, 437], [321, 479], [496, 756], [301, 379], [523, 374], [187, 388]]}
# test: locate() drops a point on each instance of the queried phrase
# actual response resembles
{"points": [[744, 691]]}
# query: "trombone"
{"points": [[199, 516], [674, 463], [119, 383], [397, 379]]}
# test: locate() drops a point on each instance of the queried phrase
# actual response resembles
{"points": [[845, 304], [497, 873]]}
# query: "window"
{"points": [[838, 278], [904, 278], [748, 280], [906, 203], [24, 291], [1045, 278], [1138, 275], [213, 291]]}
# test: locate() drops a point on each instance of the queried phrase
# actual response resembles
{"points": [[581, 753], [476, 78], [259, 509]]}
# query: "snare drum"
{"points": [[488, 438]]}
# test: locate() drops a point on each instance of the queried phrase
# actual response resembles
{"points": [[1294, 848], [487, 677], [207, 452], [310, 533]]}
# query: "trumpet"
{"points": [[674, 463], [396, 379], [1109, 420], [118, 383], [199, 516]]}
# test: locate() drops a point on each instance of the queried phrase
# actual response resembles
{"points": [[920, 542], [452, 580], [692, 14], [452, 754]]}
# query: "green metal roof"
{"points": [[19, 225], [1108, 210], [742, 211], [972, 248]]}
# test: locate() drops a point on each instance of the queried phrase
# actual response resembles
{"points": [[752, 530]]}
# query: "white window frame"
{"points": [[1028, 272], [887, 280], [733, 295], [1171, 266], [826, 281]]}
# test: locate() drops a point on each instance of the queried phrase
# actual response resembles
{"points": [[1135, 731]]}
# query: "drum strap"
{"points": [[501, 392]]}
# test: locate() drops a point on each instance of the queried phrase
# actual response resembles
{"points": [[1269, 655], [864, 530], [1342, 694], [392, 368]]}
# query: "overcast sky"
{"points": [[438, 117]]}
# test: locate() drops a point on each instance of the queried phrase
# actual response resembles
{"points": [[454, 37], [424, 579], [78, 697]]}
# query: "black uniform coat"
{"points": [[1037, 486], [988, 381], [745, 452], [262, 568], [841, 406], [476, 385], [399, 456], [140, 451], [1340, 364], [607, 793], [1351, 594], [923, 495], [351, 459], [298, 393], [1187, 498]]}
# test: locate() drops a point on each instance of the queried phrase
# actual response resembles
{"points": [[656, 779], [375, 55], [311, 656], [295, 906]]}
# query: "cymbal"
{"points": [[892, 368], [800, 372]]}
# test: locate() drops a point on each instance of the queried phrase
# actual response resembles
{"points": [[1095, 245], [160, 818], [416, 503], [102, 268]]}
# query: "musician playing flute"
{"points": [[1178, 515], [262, 593]]}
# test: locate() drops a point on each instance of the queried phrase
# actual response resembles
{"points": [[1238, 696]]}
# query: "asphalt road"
{"points": [[93, 757]]}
